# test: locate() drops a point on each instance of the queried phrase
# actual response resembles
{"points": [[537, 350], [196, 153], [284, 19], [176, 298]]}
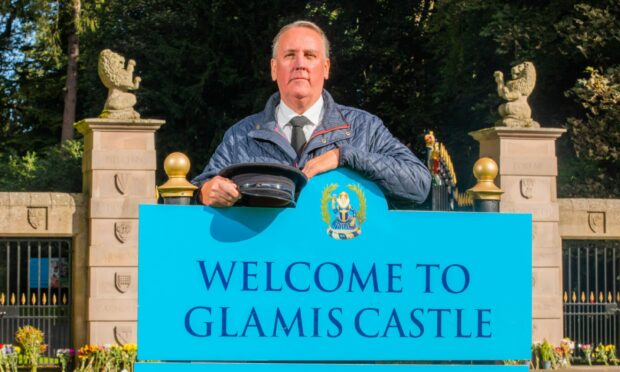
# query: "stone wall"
{"points": [[589, 218], [51, 214]]}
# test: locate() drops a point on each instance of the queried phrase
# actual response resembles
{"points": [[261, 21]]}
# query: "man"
{"points": [[302, 126]]}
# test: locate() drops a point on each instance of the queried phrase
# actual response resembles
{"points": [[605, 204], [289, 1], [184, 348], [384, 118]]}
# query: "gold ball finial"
{"points": [[485, 171], [177, 166]]}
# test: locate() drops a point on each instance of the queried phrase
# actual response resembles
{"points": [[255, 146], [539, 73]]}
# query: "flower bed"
{"points": [[89, 358], [545, 355]]}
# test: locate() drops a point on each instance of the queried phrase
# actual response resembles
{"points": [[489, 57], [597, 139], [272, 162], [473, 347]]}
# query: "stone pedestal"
{"points": [[119, 174], [527, 175]]}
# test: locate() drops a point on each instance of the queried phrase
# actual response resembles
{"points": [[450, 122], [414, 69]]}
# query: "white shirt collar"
{"points": [[284, 114]]}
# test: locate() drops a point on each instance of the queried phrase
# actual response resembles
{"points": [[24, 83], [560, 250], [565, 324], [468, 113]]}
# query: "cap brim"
{"points": [[266, 184], [293, 173]]}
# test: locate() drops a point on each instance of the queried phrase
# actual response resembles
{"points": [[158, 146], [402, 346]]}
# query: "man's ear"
{"points": [[326, 66], [274, 72]]}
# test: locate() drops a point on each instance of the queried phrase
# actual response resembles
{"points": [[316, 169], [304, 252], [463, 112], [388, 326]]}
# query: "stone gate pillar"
{"points": [[527, 174], [119, 174]]}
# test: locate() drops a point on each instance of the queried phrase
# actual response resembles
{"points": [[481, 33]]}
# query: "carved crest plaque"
{"points": [[122, 230], [596, 222], [123, 335], [120, 181], [527, 187], [37, 217], [122, 281]]}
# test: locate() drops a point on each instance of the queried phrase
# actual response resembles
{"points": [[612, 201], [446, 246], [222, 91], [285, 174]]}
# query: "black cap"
{"points": [[266, 184]]}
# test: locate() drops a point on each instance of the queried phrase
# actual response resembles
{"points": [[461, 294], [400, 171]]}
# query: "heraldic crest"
{"points": [[343, 218]]}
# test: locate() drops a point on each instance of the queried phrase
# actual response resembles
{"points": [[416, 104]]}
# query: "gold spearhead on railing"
{"points": [[574, 296], [2, 298], [23, 299], [64, 299], [44, 299], [54, 300], [12, 298], [33, 299], [565, 297]]}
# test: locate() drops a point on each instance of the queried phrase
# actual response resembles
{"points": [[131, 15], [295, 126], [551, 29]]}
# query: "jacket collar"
{"points": [[330, 129]]}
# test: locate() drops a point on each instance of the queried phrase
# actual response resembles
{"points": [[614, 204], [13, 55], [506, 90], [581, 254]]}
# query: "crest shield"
{"points": [[123, 335], [344, 212], [120, 181], [122, 281], [122, 230], [596, 222], [37, 217], [527, 187]]}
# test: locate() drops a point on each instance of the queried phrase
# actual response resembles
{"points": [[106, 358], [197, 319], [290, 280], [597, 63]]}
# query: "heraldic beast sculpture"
{"points": [[516, 113], [119, 80]]}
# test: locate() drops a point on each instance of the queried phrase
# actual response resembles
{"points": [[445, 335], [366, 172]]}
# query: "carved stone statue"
{"points": [[516, 113], [119, 80]]}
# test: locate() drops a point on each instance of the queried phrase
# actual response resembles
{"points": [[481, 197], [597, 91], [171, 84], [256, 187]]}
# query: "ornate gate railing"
{"points": [[445, 195], [591, 270], [35, 289]]}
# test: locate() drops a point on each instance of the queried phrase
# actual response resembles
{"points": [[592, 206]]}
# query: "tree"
{"points": [[73, 53]]}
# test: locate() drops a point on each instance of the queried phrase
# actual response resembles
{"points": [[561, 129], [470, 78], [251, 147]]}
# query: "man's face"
{"points": [[300, 67]]}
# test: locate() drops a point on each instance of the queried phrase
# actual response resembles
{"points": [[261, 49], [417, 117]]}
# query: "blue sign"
{"points": [[320, 367], [338, 278]]}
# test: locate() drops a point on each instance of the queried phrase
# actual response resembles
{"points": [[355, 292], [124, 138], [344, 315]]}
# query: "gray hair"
{"points": [[300, 23]]}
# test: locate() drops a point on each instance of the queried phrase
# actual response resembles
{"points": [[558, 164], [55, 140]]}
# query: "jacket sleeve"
{"points": [[389, 163]]}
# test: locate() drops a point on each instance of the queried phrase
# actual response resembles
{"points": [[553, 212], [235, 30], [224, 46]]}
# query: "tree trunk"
{"points": [[73, 53]]}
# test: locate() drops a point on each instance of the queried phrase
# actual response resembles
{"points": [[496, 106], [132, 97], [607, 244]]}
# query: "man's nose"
{"points": [[300, 61]]}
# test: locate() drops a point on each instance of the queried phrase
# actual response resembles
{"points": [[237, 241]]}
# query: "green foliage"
{"points": [[419, 65], [597, 136], [31, 339], [56, 168], [546, 352]]}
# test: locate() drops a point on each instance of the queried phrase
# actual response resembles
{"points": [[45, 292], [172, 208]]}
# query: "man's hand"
{"points": [[219, 192], [322, 163]]}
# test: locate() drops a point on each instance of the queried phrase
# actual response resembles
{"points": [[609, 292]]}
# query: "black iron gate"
{"points": [[35, 289], [592, 291]]}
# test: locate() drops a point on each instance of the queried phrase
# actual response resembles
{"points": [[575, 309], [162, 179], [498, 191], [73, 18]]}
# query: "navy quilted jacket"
{"points": [[365, 145]]}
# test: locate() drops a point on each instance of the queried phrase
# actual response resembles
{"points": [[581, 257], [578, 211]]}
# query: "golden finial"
{"points": [[618, 296], [44, 299], [2, 299], [64, 298], [583, 297], [33, 299], [485, 171], [574, 296], [23, 299], [609, 297], [601, 297], [13, 298], [565, 297], [591, 297], [54, 300], [177, 166]]}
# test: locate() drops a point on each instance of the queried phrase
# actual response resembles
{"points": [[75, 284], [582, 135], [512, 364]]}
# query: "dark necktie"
{"points": [[298, 139]]}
